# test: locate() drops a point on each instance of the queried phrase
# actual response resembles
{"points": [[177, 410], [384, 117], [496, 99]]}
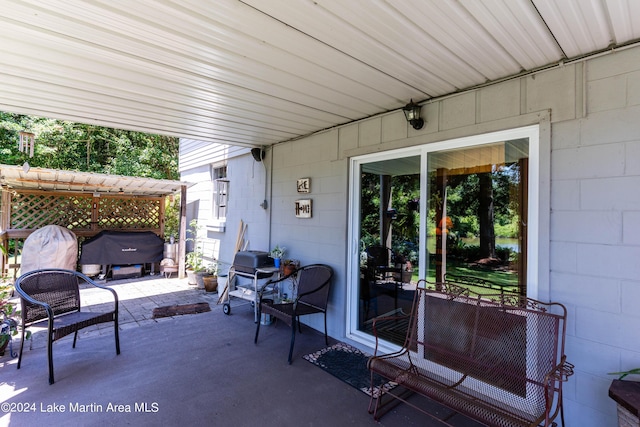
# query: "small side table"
{"points": [[627, 395]]}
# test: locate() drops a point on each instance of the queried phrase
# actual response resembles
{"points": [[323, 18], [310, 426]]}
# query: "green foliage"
{"points": [[195, 258], [277, 252], [88, 148], [9, 313], [623, 374], [172, 218]]}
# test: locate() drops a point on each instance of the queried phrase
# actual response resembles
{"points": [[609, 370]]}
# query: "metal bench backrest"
{"points": [[59, 289], [499, 347]]}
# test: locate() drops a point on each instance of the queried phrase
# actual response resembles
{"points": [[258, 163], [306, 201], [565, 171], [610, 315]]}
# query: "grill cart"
{"points": [[254, 265]]}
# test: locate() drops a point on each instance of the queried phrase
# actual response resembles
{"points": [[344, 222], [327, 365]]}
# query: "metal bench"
{"points": [[498, 359], [51, 298]]}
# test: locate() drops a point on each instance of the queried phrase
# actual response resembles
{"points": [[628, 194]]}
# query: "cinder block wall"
{"points": [[593, 203]]}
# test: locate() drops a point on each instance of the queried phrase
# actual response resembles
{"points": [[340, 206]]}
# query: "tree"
{"points": [[88, 148]]}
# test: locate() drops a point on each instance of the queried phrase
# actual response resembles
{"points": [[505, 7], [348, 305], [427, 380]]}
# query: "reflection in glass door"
{"points": [[389, 241], [477, 216]]}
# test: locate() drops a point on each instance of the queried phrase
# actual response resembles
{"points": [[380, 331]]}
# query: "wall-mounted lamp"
{"points": [[412, 114], [258, 154]]}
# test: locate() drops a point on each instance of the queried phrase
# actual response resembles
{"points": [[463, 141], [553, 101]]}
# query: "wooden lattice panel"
{"points": [[30, 211], [118, 213]]}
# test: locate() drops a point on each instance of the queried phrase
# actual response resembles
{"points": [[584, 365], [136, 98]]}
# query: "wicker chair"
{"points": [[314, 282], [52, 297]]}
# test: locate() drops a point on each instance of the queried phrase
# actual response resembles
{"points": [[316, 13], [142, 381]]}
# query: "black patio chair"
{"points": [[313, 284], [51, 297]]}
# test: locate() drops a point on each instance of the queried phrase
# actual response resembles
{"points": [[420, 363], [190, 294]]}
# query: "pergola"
{"points": [[84, 202]]}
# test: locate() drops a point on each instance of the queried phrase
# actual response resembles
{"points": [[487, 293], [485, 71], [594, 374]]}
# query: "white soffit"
{"points": [[254, 72]]}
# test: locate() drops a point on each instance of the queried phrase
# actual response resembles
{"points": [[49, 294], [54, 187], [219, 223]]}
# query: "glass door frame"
{"points": [[353, 256]]}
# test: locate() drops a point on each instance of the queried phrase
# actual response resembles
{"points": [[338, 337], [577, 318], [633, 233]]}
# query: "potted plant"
{"points": [[277, 253], [210, 279], [405, 257], [8, 316], [195, 258], [290, 265]]}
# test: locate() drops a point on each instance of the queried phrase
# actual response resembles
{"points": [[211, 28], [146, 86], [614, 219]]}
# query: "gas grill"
{"points": [[124, 248], [250, 261], [255, 265]]}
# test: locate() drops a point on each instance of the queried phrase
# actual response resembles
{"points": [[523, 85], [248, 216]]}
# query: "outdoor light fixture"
{"points": [[412, 114], [258, 154]]}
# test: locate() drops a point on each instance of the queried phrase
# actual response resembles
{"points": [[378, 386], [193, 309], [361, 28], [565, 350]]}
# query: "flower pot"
{"points": [[191, 277], [200, 279], [288, 269], [210, 283], [406, 276]]}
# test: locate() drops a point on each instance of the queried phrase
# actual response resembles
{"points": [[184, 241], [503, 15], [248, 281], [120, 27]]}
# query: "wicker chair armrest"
{"points": [[97, 285]]}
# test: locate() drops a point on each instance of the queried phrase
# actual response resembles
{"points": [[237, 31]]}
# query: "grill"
{"points": [[122, 248], [250, 261]]}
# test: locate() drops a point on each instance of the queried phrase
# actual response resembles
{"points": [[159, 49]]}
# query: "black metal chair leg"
{"points": [[326, 338], [293, 337], [21, 346], [50, 357], [255, 340], [117, 334], [75, 337]]}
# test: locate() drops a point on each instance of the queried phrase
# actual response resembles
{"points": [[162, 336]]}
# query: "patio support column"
{"points": [[5, 222], [182, 238]]}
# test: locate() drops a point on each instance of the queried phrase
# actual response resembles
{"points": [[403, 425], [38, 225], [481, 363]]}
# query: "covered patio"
{"points": [[187, 370], [313, 92]]}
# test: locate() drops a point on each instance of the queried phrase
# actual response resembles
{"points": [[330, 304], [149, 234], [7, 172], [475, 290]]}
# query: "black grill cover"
{"points": [[122, 247]]}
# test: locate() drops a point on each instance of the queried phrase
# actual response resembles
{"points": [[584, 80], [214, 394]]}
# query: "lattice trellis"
{"points": [[35, 210], [129, 213], [38, 210]]}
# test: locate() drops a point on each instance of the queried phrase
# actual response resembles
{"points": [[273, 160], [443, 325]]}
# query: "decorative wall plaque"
{"points": [[304, 185], [303, 208]]}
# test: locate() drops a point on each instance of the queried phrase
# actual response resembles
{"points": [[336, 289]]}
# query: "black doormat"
{"points": [[349, 365], [176, 310]]}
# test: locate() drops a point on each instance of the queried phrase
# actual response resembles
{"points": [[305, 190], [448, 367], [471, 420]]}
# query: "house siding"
{"points": [[589, 200]]}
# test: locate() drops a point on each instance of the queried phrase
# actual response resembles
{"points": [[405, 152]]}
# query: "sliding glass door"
{"points": [[457, 210]]}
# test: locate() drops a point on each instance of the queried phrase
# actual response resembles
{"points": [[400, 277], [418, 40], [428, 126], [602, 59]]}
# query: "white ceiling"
{"points": [[257, 72]]}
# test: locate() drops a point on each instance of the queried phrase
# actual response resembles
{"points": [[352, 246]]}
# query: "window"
{"points": [[220, 192]]}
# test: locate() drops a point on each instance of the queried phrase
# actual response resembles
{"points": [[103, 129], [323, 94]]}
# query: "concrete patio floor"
{"points": [[198, 369]]}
